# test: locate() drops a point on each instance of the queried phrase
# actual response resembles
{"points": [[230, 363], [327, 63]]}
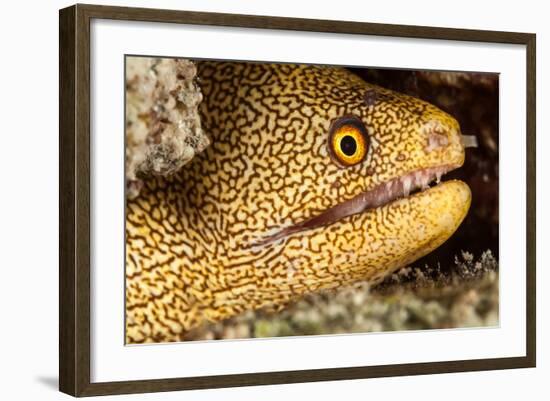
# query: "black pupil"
{"points": [[348, 145]]}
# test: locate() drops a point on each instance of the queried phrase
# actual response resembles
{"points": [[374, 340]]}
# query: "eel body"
{"points": [[314, 179]]}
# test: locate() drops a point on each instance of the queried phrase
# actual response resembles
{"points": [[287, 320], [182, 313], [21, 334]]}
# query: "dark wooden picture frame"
{"points": [[74, 202]]}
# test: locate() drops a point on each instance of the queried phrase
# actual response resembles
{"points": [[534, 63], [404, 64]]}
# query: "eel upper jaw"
{"points": [[380, 195]]}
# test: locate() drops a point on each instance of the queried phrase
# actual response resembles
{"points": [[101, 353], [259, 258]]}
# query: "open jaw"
{"points": [[381, 195]]}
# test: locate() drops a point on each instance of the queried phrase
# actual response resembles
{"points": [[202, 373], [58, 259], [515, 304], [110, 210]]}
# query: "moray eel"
{"points": [[314, 179]]}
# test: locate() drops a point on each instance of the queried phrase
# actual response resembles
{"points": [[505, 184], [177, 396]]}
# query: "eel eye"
{"points": [[348, 141]]}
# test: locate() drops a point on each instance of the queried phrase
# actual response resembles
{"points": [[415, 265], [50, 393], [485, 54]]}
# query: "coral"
{"points": [[163, 125]]}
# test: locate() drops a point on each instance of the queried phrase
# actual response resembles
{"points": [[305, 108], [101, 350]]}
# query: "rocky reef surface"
{"points": [[163, 125]]}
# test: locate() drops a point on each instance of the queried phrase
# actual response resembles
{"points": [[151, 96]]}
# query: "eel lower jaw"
{"points": [[381, 195]]}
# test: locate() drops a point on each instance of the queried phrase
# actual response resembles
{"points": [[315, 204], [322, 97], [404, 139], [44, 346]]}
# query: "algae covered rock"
{"points": [[163, 125]]}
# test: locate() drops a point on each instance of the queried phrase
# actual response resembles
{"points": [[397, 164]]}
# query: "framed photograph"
{"points": [[250, 200]]}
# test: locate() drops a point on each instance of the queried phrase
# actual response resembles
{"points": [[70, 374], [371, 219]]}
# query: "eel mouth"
{"points": [[381, 195]]}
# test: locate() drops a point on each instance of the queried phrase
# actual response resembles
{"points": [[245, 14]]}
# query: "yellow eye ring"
{"points": [[348, 141]]}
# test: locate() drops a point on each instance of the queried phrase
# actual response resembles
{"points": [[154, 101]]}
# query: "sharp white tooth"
{"points": [[406, 186], [438, 177], [420, 181], [425, 181]]}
